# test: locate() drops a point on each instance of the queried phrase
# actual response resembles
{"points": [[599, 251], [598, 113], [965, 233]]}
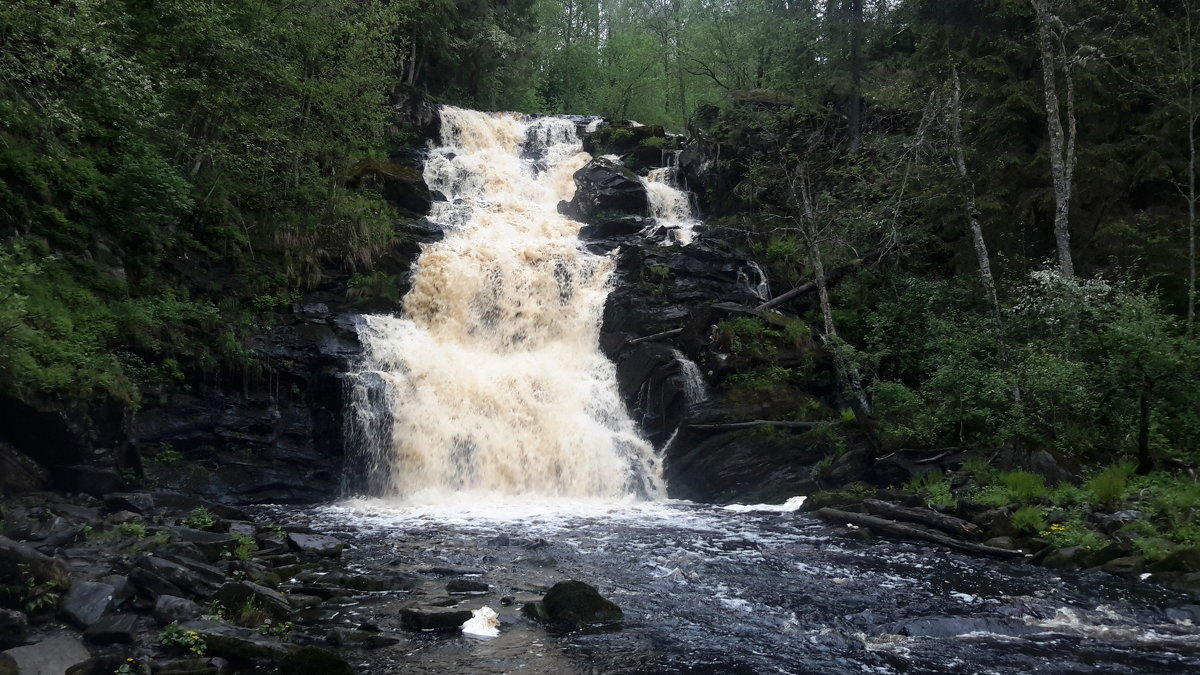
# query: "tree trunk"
{"points": [[1145, 460], [1062, 144], [972, 212], [854, 104]]}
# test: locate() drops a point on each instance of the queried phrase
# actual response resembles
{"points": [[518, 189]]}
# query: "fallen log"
{"points": [[759, 423], [657, 336], [943, 522], [901, 530]]}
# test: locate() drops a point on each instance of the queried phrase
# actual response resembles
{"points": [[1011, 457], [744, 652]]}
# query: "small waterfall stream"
{"points": [[670, 206], [492, 381]]}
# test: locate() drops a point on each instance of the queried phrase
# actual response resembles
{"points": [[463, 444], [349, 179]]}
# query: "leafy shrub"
{"points": [[200, 519], [1073, 532], [653, 142], [1110, 485], [1029, 520], [136, 530], [1024, 486], [934, 487], [175, 636]]}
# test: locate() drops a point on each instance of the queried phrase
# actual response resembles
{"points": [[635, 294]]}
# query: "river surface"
{"points": [[709, 589]]}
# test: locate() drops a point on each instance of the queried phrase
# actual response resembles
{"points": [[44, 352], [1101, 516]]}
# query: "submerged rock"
{"points": [[573, 603], [430, 618]]}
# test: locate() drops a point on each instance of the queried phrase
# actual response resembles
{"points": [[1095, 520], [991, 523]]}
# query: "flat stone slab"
{"points": [[52, 656]]}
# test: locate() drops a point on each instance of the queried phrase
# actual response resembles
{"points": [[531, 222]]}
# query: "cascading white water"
{"points": [[670, 207], [695, 388], [759, 285], [493, 379]]}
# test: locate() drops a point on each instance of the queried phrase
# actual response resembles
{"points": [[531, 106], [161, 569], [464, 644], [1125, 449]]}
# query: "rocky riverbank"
{"points": [[141, 583]]}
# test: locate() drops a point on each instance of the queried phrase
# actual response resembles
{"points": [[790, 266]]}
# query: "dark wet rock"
{"points": [[430, 618], [113, 629], [370, 582], [239, 593], [358, 639], [952, 626], [50, 656], [212, 544], [185, 576], [141, 503], [107, 664], [467, 586], [17, 559], [85, 602], [742, 465], [1008, 543], [1109, 523], [183, 549], [20, 472], [315, 661], [301, 601], [573, 603], [14, 628], [1127, 566], [232, 642], [271, 542], [243, 528], [1071, 556], [194, 666], [617, 226], [316, 544], [604, 190], [169, 608], [96, 481], [1182, 560], [619, 138], [996, 522]]}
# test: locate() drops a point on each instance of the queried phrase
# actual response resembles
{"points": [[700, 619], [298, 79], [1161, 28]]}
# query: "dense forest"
{"points": [[996, 199]]}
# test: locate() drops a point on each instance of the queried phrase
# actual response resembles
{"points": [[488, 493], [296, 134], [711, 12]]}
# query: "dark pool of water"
{"points": [[710, 590]]}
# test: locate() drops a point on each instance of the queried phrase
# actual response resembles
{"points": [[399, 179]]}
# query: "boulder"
{"points": [[604, 190], [87, 601], [113, 629], [169, 608], [232, 642], [19, 472], [618, 226], [236, 594], [315, 661], [14, 628], [212, 544], [467, 586], [347, 638], [1127, 566], [1181, 560], [1071, 556], [141, 503], [316, 544], [433, 618], [52, 656], [574, 603], [17, 559]]}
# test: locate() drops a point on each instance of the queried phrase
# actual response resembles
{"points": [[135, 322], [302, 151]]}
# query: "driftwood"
{"points": [[943, 522], [657, 336], [759, 423], [902, 530]]}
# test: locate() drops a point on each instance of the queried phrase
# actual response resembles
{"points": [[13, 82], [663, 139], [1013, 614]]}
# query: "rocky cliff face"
{"points": [[275, 436]]}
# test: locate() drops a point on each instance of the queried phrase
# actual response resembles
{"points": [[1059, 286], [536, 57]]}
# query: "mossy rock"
{"points": [[617, 139], [1182, 560]]}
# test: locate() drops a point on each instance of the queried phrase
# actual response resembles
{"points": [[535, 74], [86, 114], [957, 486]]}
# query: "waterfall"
{"points": [[695, 389], [759, 285], [670, 206], [492, 381]]}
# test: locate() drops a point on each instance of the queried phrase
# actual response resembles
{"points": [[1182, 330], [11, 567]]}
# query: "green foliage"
{"points": [[246, 546], [933, 487], [1073, 532], [135, 530], [656, 142], [1029, 520], [200, 519], [1110, 485], [167, 454], [1024, 486], [189, 640]]}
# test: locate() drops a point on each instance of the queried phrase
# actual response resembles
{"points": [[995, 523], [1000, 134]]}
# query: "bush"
{"points": [[175, 636], [1024, 486], [1110, 485], [1029, 520], [200, 519], [934, 487]]}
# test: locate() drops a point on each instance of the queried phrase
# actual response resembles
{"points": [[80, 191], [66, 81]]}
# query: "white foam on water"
{"points": [[484, 623], [792, 504]]}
